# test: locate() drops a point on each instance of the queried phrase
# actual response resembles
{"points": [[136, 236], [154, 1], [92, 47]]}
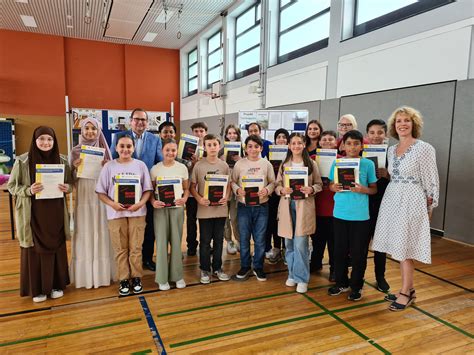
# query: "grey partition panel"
{"points": [[435, 102], [459, 201], [213, 122], [329, 114]]}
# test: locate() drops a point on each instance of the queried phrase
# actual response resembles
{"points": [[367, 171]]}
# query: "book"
{"points": [[276, 155], [50, 175], [377, 153], [231, 150], [127, 189], [187, 146], [168, 190], [296, 178], [346, 172], [252, 184], [325, 158], [91, 162], [215, 188]]}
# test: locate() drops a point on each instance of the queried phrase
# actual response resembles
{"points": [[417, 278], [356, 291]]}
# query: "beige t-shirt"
{"points": [[201, 169], [176, 170], [248, 167]]}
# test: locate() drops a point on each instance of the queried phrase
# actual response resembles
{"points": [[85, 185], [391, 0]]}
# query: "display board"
{"points": [[7, 140], [271, 120]]}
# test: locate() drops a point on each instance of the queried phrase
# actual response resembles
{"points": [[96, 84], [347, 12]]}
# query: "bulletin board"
{"points": [[271, 120]]}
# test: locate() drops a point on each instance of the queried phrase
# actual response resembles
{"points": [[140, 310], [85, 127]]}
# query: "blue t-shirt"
{"points": [[354, 206]]}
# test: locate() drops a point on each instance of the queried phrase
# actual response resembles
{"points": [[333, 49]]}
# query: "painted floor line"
{"points": [[151, 324]]}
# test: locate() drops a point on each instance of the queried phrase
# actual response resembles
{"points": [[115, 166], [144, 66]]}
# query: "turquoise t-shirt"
{"points": [[354, 206]]}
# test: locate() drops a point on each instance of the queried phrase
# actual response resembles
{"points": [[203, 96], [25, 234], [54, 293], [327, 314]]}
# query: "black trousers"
{"points": [[380, 259], [350, 238], [191, 228], [211, 229], [324, 235], [148, 246], [272, 225]]}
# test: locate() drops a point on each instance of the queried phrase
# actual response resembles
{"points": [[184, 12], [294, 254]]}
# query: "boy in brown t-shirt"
{"points": [[211, 216]]}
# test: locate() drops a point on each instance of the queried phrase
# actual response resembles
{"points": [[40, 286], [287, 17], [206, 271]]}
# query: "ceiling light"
{"points": [[29, 21], [149, 37], [69, 26], [22, 1], [162, 18]]}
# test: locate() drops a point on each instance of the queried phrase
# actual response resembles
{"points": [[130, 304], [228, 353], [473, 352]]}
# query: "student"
{"points": [[92, 263], [167, 130], [199, 130], [376, 134], [211, 218], [252, 220], [312, 137], [126, 224], [296, 218], [232, 134], [324, 218], [351, 221], [256, 128], [168, 221], [273, 255], [42, 224]]}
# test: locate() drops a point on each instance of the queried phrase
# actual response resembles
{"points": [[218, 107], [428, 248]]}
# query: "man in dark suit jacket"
{"points": [[148, 150]]}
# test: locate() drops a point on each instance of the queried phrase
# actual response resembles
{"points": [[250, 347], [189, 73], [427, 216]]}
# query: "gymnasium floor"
{"points": [[244, 317]]}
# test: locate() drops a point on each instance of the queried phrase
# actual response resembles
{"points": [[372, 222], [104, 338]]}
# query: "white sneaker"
{"points": [[39, 298], [231, 249], [290, 282], [57, 294], [205, 277], [180, 284], [302, 287], [221, 275], [164, 287]]}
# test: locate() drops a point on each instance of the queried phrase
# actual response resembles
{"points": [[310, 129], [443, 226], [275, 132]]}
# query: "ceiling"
{"points": [[125, 18]]}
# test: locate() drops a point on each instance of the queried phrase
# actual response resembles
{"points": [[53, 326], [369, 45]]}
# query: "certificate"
{"points": [[296, 178], [91, 164], [215, 188], [324, 159], [377, 153], [168, 190], [50, 176], [231, 150], [252, 184], [346, 172], [187, 146], [276, 154], [127, 189]]}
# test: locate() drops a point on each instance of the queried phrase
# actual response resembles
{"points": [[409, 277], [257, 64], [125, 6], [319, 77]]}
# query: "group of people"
{"points": [[113, 241]]}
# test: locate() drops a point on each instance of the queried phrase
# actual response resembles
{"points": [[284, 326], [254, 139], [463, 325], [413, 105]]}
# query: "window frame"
{"points": [[192, 92], [395, 16], [254, 69], [211, 53], [313, 47]]}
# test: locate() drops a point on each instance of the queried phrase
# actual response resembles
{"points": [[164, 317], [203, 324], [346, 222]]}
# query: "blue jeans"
{"points": [[297, 253], [252, 221]]}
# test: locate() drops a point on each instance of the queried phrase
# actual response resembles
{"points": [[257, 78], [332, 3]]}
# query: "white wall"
{"points": [[431, 47]]}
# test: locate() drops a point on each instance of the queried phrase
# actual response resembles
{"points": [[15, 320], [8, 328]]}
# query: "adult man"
{"points": [[148, 150], [256, 128]]}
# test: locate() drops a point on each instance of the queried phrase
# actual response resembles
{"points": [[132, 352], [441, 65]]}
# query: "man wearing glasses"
{"points": [[148, 150]]}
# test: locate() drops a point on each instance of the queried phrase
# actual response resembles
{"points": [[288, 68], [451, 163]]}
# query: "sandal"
{"points": [[391, 297], [396, 307]]}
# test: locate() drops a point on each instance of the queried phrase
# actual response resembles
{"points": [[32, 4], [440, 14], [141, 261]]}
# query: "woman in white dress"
{"points": [[403, 224], [92, 263]]}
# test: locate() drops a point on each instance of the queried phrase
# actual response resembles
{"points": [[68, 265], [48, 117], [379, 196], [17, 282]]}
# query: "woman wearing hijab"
{"points": [[42, 224], [92, 263]]}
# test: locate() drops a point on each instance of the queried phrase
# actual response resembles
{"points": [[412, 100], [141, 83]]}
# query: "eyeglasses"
{"points": [[143, 120], [344, 125]]}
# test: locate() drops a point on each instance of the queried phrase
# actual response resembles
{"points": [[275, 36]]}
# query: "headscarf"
{"points": [[99, 141], [37, 156]]}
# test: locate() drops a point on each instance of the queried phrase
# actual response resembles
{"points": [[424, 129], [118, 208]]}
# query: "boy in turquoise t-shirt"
{"points": [[352, 220]]}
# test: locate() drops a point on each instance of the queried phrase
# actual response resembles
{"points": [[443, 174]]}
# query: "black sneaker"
{"points": [[137, 285], [260, 274], [382, 285], [355, 295], [243, 273], [124, 288], [336, 290]]}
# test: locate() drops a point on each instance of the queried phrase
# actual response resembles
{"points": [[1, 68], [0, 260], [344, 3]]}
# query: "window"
{"points": [[303, 27], [214, 58], [373, 14], [247, 41], [193, 72]]}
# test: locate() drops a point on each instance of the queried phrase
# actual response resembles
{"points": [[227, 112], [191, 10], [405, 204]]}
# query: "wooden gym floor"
{"points": [[243, 317]]}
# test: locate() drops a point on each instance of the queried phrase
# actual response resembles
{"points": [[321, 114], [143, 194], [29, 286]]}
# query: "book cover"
{"points": [[251, 196], [215, 187], [375, 160], [166, 195], [127, 189], [189, 150], [126, 195], [230, 158], [215, 194], [276, 166], [296, 185], [377, 153], [187, 146], [346, 177], [296, 178]]}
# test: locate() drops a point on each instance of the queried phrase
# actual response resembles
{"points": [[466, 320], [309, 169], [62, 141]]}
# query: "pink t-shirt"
{"points": [[105, 184]]}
